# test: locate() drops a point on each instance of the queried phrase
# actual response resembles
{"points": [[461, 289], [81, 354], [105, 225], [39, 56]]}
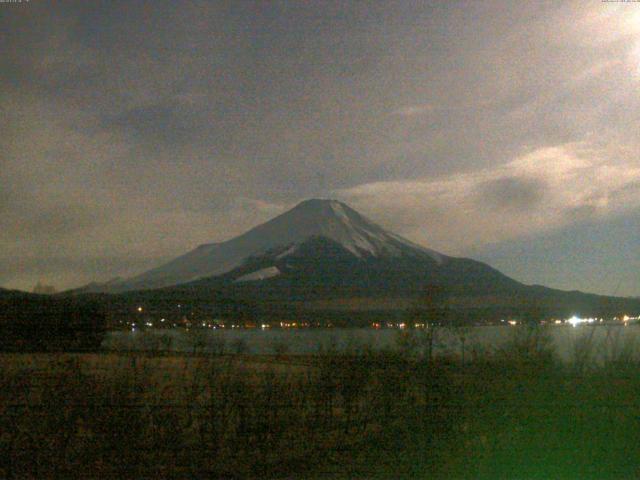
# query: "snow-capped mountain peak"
{"points": [[327, 218]]}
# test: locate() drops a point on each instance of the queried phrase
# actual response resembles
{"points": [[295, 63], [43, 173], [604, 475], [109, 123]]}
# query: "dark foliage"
{"points": [[41, 323], [516, 412]]}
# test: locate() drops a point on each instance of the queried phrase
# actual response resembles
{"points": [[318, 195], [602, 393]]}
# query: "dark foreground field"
{"points": [[516, 413]]}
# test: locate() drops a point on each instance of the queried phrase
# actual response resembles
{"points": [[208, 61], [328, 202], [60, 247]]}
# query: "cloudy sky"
{"points": [[131, 132]]}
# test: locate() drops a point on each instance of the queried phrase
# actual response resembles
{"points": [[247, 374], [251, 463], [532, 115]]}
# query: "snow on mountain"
{"points": [[261, 274], [312, 218]]}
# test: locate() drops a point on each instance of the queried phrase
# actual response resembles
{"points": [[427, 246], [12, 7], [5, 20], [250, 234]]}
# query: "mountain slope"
{"points": [[312, 218], [323, 255], [319, 266]]}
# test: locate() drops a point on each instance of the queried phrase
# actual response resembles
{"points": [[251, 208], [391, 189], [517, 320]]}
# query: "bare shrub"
{"points": [[197, 339], [583, 350], [166, 341], [280, 347], [530, 346], [217, 344], [240, 346]]}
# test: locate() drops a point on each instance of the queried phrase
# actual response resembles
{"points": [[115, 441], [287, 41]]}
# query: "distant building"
{"points": [[44, 289]]}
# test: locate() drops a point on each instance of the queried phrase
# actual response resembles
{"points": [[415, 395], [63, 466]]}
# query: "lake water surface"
{"points": [[602, 342]]}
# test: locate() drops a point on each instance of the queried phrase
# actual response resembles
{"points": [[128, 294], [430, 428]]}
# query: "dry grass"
{"points": [[512, 413]]}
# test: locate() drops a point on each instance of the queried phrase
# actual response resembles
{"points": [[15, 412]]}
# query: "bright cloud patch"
{"points": [[538, 191]]}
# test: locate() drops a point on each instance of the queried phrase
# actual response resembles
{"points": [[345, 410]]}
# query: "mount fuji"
{"points": [[324, 256], [312, 228]]}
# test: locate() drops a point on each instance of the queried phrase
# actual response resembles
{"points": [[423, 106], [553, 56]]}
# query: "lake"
{"points": [[602, 341]]}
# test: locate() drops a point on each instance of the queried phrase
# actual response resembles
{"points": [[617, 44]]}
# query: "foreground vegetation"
{"points": [[41, 323], [512, 413]]}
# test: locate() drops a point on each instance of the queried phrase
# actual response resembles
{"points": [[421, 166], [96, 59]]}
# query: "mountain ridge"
{"points": [[314, 217], [323, 253]]}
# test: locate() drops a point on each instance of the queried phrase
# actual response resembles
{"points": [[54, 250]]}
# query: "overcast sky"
{"points": [[131, 132]]}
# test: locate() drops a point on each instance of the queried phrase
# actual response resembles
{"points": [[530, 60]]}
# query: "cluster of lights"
{"points": [[378, 325], [402, 325], [293, 324], [576, 320], [573, 321]]}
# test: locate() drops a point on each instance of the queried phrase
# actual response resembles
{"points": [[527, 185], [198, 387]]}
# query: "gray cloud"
{"points": [[512, 193], [581, 213], [145, 128], [31, 269], [535, 192], [61, 220], [165, 124]]}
